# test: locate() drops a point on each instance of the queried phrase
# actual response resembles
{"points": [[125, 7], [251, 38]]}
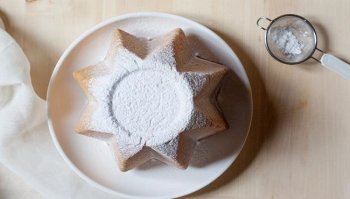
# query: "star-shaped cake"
{"points": [[151, 98]]}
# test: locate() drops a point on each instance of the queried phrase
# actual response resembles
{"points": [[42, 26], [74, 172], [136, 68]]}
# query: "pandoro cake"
{"points": [[151, 99]]}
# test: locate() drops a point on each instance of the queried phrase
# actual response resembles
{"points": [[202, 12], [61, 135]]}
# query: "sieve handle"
{"points": [[259, 20], [335, 64]]}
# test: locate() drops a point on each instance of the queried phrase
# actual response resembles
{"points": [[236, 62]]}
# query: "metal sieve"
{"points": [[291, 39]]}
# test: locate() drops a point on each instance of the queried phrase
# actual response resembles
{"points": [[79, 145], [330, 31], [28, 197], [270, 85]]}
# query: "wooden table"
{"points": [[299, 143]]}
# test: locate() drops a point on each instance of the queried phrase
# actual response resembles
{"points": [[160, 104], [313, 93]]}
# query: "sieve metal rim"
{"points": [[268, 28]]}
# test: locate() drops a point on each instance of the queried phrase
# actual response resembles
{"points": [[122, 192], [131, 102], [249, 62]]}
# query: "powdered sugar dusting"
{"points": [[150, 104], [286, 41], [145, 101]]}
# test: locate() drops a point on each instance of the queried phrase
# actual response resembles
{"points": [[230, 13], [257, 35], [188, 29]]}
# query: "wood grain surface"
{"points": [[298, 146]]}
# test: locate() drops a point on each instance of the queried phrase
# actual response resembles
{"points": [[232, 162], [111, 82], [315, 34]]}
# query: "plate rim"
{"points": [[107, 22]]}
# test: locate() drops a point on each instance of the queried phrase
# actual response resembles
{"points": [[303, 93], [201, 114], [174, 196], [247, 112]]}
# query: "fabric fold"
{"points": [[26, 147]]}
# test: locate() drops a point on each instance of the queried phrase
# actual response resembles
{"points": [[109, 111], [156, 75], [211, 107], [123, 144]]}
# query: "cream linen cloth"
{"points": [[25, 144]]}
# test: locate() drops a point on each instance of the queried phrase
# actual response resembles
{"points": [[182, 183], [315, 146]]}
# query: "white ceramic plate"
{"points": [[91, 159]]}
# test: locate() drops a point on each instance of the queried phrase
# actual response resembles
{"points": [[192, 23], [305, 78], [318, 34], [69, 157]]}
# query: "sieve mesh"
{"points": [[291, 39]]}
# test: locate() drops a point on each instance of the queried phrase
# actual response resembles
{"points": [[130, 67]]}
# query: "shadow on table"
{"points": [[235, 103], [262, 126]]}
